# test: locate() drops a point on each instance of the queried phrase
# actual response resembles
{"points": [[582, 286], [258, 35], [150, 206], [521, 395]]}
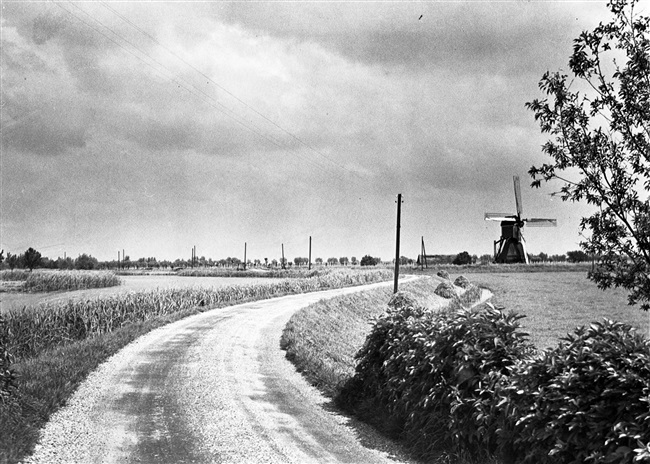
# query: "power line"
{"points": [[184, 84], [295, 137], [170, 77]]}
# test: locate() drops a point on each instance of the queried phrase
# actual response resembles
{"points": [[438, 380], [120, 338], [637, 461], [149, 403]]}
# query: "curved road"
{"points": [[212, 388]]}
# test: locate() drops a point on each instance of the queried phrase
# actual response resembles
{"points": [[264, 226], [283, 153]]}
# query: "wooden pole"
{"points": [[244, 256], [399, 212], [283, 265], [309, 268]]}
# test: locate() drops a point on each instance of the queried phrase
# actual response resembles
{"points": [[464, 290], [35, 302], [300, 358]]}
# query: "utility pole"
{"points": [[283, 263], [244, 256], [309, 268], [118, 259], [399, 213], [423, 254]]}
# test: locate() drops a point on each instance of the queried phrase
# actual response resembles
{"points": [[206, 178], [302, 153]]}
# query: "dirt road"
{"points": [[212, 388]]}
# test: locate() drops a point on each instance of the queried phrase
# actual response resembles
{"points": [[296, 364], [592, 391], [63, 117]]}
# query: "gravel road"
{"points": [[212, 388]]}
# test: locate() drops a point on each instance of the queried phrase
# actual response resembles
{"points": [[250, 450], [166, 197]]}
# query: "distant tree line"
{"points": [[32, 259]]}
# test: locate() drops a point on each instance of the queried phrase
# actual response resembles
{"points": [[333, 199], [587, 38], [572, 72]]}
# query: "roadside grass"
{"points": [[48, 375], [322, 339]]}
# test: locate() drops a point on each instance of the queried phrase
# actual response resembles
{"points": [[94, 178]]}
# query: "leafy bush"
{"points": [[588, 400], [462, 281], [445, 290], [462, 258], [423, 376], [369, 261], [444, 274]]}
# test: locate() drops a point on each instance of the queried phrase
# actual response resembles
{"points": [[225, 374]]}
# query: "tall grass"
{"points": [[14, 275], [38, 328], [53, 358], [69, 280], [297, 273]]}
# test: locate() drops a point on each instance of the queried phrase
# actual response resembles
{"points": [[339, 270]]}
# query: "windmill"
{"points": [[511, 247]]}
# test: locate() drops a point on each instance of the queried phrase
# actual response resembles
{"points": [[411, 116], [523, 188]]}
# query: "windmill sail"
{"points": [[518, 196], [511, 246], [541, 222], [499, 217]]}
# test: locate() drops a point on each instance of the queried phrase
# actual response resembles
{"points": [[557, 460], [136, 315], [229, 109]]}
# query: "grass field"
{"points": [[323, 339], [555, 303]]}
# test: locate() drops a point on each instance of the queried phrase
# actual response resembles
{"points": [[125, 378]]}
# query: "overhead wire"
{"points": [[181, 83], [292, 135], [184, 84]]}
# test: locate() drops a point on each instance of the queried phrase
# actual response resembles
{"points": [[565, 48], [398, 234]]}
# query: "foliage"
{"points": [[12, 261], [462, 258], [85, 262], [446, 290], [7, 374], [32, 258], [368, 260], [577, 256], [588, 400], [602, 135], [50, 281], [429, 372]]}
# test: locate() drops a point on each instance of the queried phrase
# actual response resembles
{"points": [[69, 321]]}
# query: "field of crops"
{"points": [[129, 283]]}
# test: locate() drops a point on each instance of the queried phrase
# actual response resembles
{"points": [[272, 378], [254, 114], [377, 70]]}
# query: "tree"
{"points": [[600, 146], [462, 258], [344, 260], [332, 261], [32, 258], [354, 261], [87, 262], [12, 261], [368, 261]]}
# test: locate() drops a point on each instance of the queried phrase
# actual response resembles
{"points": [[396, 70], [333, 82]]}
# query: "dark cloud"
{"points": [[45, 26], [48, 132], [462, 37]]}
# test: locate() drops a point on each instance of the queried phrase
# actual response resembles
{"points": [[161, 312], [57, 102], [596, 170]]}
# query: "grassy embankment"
{"points": [[322, 340], [57, 345]]}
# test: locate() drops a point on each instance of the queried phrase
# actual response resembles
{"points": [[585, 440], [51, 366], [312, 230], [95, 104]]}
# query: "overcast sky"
{"points": [[156, 126]]}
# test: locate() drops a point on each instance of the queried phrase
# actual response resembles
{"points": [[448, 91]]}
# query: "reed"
{"points": [[69, 280], [38, 328]]}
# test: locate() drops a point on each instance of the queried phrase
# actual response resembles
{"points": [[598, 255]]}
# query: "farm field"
{"points": [[130, 283], [555, 303]]}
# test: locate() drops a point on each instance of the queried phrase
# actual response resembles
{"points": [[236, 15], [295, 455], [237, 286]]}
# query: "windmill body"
{"points": [[511, 246]]}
